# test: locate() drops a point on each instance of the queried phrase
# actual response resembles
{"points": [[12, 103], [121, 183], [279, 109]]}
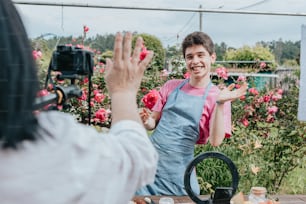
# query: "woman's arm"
{"points": [[123, 76]]}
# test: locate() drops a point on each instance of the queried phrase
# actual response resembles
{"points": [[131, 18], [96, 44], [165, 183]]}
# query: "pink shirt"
{"points": [[208, 109]]}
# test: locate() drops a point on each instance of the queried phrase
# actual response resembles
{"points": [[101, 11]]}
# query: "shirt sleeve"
{"points": [[128, 161], [164, 92], [103, 165], [139, 150]]}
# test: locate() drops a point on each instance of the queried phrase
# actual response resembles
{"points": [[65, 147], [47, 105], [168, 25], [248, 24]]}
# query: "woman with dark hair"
{"points": [[49, 157], [18, 82]]}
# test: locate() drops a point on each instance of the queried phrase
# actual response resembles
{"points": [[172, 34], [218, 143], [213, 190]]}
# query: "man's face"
{"points": [[198, 61]]}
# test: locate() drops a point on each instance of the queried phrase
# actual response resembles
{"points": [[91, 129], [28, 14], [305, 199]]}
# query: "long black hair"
{"points": [[18, 80]]}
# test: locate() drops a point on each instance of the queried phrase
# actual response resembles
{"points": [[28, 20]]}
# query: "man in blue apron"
{"points": [[188, 111]]}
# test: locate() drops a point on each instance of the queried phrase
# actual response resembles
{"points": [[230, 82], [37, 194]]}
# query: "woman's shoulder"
{"points": [[54, 117], [52, 120], [64, 127]]}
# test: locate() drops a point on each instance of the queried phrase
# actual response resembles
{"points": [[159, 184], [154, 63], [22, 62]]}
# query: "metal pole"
{"points": [[159, 9]]}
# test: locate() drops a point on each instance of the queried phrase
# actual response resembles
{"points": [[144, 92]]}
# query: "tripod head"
{"points": [[58, 97]]}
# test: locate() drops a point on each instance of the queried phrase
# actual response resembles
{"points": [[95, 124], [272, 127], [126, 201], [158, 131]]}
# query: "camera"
{"points": [[71, 60]]}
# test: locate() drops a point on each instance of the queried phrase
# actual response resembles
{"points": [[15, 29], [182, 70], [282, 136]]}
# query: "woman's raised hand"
{"points": [[124, 73]]}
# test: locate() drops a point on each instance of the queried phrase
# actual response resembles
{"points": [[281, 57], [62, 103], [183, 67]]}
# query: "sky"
{"points": [[236, 30]]}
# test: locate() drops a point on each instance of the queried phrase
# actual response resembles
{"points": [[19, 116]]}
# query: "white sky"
{"points": [[234, 29]]}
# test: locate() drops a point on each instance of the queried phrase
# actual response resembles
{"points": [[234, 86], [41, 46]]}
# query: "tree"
{"points": [[103, 42], [257, 53], [153, 43], [220, 51], [284, 50]]}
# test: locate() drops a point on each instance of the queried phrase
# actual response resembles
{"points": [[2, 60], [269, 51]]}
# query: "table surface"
{"points": [[284, 199]]}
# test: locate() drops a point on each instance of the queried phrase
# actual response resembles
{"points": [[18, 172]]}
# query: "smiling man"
{"points": [[188, 112]]}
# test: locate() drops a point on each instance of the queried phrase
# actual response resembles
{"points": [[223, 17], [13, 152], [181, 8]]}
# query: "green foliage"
{"points": [[220, 51], [291, 63], [256, 53], [295, 183], [212, 172], [102, 43], [173, 52], [284, 50], [152, 78], [153, 43], [42, 63], [105, 55], [265, 151], [265, 146], [282, 142]]}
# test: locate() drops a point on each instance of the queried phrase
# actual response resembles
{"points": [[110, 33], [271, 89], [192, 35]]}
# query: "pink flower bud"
{"points": [[86, 29]]}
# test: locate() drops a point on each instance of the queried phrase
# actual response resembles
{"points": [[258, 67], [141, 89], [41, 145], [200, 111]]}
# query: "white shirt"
{"points": [[73, 163]]}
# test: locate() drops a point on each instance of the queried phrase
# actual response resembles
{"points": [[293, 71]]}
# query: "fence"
{"points": [[285, 75], [260, 81]]}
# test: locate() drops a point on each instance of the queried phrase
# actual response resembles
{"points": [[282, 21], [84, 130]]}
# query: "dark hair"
{"points": [[198, 38], [18, 80]]}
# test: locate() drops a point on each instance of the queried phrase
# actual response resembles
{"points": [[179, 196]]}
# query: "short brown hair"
{"points": [[198, 38]]}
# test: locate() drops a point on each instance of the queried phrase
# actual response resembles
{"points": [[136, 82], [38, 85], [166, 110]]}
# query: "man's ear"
{"points": [[213, 58]]}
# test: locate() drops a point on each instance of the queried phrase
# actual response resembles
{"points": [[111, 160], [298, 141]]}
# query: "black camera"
{"points": [[71, 60]]}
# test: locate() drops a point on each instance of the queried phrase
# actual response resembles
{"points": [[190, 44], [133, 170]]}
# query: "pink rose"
{"points": [[187, 75], [272, 109], [222, 72], [86, 29], [101, 115], [150, 99], [253, 91], [245, 122], [143, 53]]}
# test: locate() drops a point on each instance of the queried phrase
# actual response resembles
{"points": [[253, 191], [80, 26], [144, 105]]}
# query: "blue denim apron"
{"points": [[174, 139]]}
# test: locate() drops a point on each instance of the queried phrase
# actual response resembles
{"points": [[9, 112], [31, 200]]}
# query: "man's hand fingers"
{"points": [[144, 111], [231, 87]]}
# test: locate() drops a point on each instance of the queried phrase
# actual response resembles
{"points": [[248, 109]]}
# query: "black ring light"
{"points": [[200, 158]]}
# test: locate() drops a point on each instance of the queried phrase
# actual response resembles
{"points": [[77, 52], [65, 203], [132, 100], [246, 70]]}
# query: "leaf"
{"points": [[293, 133]]}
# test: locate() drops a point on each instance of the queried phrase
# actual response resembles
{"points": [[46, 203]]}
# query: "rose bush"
{"points": [[267, 141], [93, 107]]}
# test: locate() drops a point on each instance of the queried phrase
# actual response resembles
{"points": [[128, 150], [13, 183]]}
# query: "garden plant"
{"points": [[267, 141]]}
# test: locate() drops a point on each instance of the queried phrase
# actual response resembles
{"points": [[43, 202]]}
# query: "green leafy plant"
{"points": [[262, 56], [267, 142]]}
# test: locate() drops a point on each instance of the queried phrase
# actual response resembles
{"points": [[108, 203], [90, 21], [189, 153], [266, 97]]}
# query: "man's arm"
{"points": [[151, 122], [217, 129]]}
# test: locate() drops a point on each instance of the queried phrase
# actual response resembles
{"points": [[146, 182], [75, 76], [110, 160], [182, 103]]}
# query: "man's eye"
{"points": [[201, 55]]}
